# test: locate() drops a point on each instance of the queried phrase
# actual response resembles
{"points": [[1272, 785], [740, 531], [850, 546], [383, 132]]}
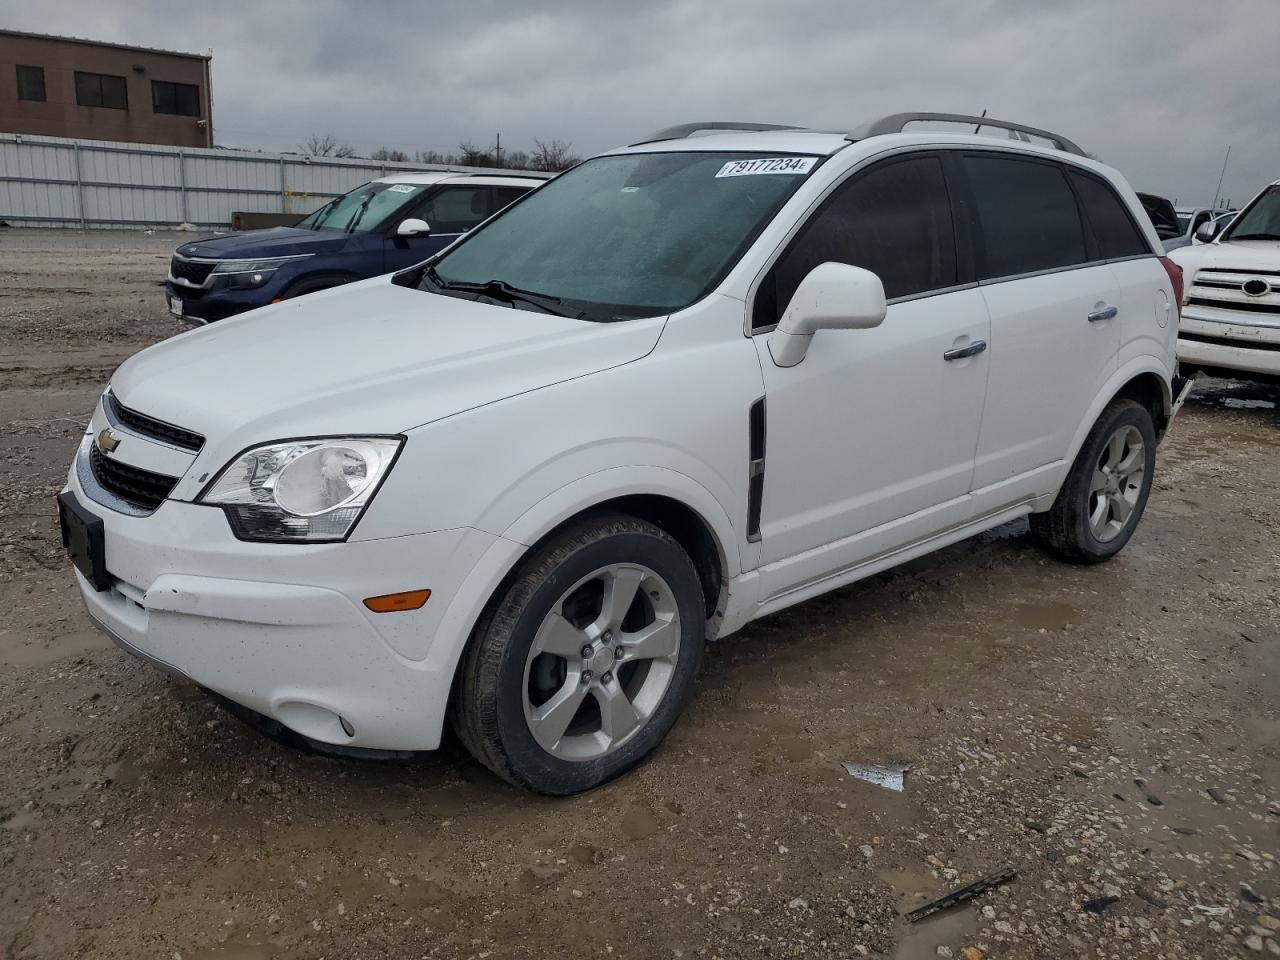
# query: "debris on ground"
{"points": [[1099, 904], [1209, 911], [961, 894], [891, 778]]}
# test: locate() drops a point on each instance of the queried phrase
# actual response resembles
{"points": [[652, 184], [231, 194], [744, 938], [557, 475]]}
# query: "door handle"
{"points": [[969, 350], [1103, 313]]}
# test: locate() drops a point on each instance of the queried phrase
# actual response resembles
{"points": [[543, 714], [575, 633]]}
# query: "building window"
{"points": [[182, 99], [101, 90], [30, 83]]}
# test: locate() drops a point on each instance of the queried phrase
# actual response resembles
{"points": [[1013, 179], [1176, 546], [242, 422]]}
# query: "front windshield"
{"points": [[630, 235], [1261, 221], [364, 208]]}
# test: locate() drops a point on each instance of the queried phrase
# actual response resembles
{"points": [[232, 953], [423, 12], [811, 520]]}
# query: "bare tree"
{"points": [[472, 156], [326, 146], [432, 156], [386, 153], [553, 155], [517, 160]]}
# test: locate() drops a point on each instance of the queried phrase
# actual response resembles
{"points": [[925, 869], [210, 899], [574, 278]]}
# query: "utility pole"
{"points": [[1220, 176], [497, 152]]}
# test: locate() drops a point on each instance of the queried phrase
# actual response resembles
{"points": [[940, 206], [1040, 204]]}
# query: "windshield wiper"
{"points": [[501, 290], [355, 218], [322, 214]]}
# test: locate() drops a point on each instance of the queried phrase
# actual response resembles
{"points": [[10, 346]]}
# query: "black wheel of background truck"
{"points": [[1104, 495], [584, 660]]}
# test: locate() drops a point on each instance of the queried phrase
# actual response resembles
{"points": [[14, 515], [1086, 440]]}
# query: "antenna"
{"points": [[1221, 175]]}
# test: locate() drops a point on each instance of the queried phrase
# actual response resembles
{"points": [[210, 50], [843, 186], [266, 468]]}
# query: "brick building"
{"points": [[64, 87]]}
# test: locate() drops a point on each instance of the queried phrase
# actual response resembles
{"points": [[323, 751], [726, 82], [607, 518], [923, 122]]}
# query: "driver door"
{"points": [[871, 438]]}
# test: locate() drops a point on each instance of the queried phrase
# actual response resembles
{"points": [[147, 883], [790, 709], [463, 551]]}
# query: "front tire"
{"points": [[580, 667], [1104, 495]]}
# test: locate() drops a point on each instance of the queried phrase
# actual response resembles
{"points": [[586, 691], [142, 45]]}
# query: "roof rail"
{"points": [[682, 130], [501, 172], [896, 121]]}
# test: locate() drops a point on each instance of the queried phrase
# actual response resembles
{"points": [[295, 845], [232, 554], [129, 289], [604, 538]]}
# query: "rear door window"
{"points": [[894, 220], [1026, 213], [505, 196], [1113, 228]]}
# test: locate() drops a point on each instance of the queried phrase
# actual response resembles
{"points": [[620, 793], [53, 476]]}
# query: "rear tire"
{"points": [[1104, 495], [581, 665]]}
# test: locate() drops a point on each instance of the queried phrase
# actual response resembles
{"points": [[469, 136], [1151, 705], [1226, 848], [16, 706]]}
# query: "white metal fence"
{"points": [[52, 181]]}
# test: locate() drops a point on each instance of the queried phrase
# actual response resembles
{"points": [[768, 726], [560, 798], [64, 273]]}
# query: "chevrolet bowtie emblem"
{"points": [[107, 441]]}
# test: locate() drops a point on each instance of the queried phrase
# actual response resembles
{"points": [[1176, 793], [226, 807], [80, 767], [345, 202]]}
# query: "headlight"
{"points": [[253, 273], [302, 490]]}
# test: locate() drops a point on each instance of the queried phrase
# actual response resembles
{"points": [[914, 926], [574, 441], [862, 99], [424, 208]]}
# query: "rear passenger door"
{"points": [[1054, 305], [870, 439], [1146, 308]]}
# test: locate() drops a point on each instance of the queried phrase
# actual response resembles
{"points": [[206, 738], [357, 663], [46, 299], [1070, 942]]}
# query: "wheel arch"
{"points": [[670, 500], [314, 282], [1144, 380]]}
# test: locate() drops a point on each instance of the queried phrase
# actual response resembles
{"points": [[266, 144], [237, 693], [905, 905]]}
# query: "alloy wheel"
{"points": [[1116, 485], [601, 662]]}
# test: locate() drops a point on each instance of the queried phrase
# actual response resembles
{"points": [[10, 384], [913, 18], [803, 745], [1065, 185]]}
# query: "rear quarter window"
{"points": [[1113, 228], [1026, 213]]}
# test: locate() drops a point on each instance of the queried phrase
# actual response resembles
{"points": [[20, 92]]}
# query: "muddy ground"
{"points": [[1107, 732]]}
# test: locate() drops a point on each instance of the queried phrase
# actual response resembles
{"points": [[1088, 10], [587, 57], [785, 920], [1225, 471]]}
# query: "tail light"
{"points": [[1175, 277]]}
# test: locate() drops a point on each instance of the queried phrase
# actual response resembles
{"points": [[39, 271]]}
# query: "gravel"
{"points": [[1042, 706]]}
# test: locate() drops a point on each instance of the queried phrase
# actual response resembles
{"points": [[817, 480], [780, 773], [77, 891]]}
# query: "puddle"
{"points": [[1044, 615], [954, 928]]}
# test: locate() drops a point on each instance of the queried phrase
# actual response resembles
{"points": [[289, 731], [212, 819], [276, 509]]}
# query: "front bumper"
{"points": [[202, 305], [1218, 340], [282, 628]]}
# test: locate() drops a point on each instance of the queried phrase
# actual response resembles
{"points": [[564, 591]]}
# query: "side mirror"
{"points": [[1207, 231], [834, 296], [413, 227]]}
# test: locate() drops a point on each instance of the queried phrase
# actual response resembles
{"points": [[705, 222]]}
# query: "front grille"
{"points": [[142, 488], [1222, 288], [1228, 341], [1241, 272], [192, 271], [1241, 305], [151, 427]]}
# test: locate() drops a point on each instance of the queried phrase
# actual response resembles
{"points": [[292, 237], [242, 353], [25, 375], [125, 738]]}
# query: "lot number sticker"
{"points": [[402, 188], [753, 168]]}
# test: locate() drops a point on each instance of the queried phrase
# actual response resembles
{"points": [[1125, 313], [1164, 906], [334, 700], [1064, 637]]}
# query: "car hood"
{"points": [[272, 242], [1234, 255], [367, 358]]}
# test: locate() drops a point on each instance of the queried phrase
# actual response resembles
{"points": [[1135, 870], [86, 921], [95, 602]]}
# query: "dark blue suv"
{"points": [[382, 226]]}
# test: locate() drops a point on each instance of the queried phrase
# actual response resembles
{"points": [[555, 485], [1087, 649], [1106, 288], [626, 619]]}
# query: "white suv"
{"points": [[1231, 316], [687, 384]]}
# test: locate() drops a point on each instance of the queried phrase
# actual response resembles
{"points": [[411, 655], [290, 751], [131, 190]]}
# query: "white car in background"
{"points": [[1190, 219], [687, 384], [1231, 314]]}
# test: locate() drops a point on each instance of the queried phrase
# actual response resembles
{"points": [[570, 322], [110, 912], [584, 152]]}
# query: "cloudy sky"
{"points": [[1158, 88]]}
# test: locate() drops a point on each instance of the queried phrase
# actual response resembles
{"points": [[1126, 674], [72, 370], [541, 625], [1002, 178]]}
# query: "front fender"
{"points": [[468, 603], [589, 491]]}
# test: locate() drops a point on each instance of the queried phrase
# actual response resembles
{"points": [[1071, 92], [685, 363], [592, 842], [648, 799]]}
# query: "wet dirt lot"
{"points": [[1107, 732]]}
